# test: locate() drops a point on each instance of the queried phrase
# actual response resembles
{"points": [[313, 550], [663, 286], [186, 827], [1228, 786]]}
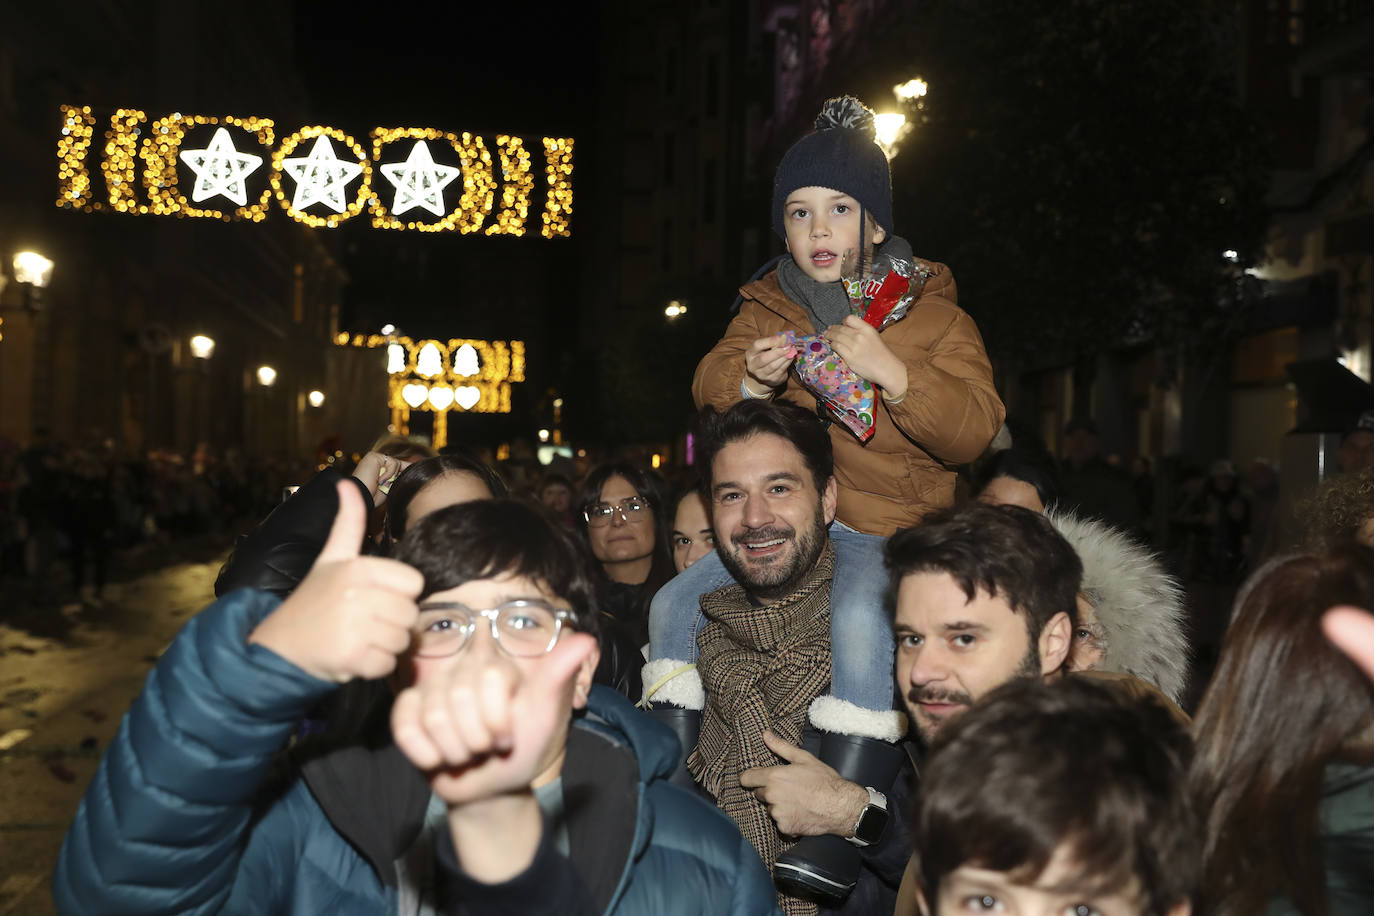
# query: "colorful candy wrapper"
{"points": [[848, 397], [880, 292]]}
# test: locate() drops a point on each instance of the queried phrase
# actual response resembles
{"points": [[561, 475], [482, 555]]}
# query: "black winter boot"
{"points": [[826, 868], [686, 724]]}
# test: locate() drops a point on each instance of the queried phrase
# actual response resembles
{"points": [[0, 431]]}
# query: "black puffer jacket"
{"points": [[275, 557]]}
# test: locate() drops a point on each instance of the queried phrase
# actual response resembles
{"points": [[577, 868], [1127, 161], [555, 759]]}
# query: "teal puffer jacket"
{"points": [[175, 820]]}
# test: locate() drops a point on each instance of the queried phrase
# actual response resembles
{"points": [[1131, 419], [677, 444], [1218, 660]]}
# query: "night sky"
{"points": [[528, 69]]}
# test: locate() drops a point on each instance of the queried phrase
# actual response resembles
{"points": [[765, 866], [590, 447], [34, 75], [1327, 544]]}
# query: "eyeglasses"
{"points": [[524, 629], [631, 509]]}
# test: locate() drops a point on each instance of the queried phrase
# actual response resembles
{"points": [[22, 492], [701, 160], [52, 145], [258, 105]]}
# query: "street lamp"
{"points": [[316, 398], [33, 272], [202, 347], [267, 376], [675, 310], [890, 127]]}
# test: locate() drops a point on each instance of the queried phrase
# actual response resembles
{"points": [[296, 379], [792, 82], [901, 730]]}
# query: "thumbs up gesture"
{"points": [[352, 615]]}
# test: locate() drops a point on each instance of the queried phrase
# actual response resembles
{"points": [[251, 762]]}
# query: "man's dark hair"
{"points": [[1039, 766], [491, 537], [1006, 551], [749, 418]]}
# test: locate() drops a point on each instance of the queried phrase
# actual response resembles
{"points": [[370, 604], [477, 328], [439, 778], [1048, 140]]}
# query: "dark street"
{"points": [[66, 679]]}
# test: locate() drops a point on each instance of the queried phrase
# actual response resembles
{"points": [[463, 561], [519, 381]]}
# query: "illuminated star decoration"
{"points": [[220, 169], [321, 176], [419, 181]]}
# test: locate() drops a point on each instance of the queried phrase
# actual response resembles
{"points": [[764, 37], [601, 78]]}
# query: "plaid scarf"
{"points": [[761, 667]]}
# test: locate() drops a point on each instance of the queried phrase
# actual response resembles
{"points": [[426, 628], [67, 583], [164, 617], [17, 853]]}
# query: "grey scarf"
{"points": [[826, 303]]}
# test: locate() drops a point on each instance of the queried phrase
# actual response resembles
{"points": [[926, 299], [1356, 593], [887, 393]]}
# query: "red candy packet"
{"points": [[882, 292]]}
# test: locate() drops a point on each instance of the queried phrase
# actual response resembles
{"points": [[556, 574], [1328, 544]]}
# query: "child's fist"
{"points": [[352, 615], [768, 360], [863, 350], [484, 724]]}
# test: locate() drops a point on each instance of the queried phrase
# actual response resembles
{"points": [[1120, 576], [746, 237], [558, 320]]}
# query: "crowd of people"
{"points": [[830, 673], [67, 512]]}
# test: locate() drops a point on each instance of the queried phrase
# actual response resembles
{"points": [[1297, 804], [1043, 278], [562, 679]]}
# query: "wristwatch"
{"points": [[872, 820]]}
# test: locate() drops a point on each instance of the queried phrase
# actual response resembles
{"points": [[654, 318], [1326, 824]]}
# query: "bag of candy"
{"points": [[848, 397]]}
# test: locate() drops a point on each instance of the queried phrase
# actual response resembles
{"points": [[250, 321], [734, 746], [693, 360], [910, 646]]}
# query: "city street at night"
{"points": [[66, 678], [687, 457]]}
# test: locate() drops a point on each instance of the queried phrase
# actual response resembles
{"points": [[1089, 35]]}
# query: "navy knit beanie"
{"points": [[841, 153]]}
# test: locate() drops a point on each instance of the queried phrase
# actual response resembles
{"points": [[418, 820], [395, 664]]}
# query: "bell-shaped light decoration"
{"points": [[465, 361]]}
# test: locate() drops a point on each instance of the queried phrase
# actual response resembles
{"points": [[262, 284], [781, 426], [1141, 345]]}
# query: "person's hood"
{"points": [[1139, 605], [653, 743], [376, 799]]}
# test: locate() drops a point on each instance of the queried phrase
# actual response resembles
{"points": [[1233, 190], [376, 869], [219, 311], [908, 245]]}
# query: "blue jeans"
{"points": [[861, 645]]}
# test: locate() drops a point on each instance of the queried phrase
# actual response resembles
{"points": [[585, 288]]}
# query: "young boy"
{"points": [[1056, 798], [506, 783], [831, 195]]}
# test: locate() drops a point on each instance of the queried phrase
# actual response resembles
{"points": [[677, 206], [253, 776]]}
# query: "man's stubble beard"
{"points": [[774, 582], [1028, 667]]}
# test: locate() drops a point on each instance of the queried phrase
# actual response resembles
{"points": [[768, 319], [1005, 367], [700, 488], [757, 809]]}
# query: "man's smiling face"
{"points": [[821, 225], [769, 517]]}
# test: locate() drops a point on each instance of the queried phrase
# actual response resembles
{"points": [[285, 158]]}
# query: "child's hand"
{"points": [[863, 349], [768, 359], [377, 472], [484, 724], [351, 615]]}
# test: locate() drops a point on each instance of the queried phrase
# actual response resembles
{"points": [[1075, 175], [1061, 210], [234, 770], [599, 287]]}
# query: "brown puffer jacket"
{"points": [[949, 415]]}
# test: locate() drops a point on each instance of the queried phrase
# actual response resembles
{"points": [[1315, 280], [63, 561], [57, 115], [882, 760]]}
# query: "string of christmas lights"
{"points": [[224, 166]]}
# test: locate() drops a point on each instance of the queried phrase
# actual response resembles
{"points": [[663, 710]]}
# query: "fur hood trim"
{"points": [[1140, 606], [681, 685]]}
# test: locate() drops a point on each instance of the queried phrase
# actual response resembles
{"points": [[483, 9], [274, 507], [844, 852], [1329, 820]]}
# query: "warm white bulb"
{"points": [[316, 398], [889, 127], [912, 89], [267, 376], [32, 267], [202, 347]]}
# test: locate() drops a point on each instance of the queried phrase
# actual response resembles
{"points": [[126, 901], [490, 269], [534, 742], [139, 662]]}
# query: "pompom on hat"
{"points": [[841, 153]]}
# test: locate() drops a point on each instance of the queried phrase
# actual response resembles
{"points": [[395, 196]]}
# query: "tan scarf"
{"points": [[761, 667]]}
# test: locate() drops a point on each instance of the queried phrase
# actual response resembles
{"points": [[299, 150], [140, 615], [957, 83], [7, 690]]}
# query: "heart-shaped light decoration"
{"points": [[466, 396], [465, 361], [440, 397], [414, 394]]}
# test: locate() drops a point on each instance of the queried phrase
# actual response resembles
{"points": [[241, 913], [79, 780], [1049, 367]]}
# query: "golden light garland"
{"points": [[160, 156], [558, 156], [515, 191], [121, 159], [158, 143], [73, 180], [288, 146], [479, 185]]}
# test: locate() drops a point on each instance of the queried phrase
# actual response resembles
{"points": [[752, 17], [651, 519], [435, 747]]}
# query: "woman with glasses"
{"points": [[507, 782], [625, 522]]}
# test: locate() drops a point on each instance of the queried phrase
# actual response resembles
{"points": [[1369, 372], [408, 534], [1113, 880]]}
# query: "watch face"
{"points": [[871, 824]]}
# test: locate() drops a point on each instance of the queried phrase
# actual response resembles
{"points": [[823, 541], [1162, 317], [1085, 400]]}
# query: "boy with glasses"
{"points": [[506, 783]]}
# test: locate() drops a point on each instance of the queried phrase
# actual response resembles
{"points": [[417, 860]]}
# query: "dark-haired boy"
{"points": [[1056, 798]]}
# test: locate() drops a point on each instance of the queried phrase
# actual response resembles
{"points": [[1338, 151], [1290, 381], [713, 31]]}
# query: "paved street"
{"points": [[66, 677]]}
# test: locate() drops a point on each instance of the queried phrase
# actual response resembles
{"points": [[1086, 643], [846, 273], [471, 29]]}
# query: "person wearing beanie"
{"points": [[832, 195]]}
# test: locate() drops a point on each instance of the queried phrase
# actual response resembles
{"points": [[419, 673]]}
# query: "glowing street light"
{"points": [[891, 127], [32, 268], [675, 310], [316, 398], [388, 330], [267, 376], [202, 347], [912, 89], [543, 435]]}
